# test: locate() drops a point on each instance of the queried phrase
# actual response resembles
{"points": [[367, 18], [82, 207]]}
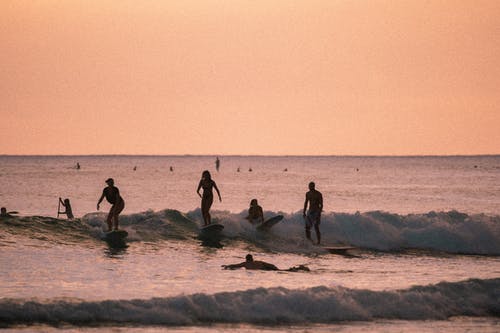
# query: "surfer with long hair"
{"points": [[207, 184]]}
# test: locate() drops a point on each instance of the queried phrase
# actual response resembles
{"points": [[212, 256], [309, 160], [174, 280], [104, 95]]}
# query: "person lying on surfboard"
{"points": [[112, 195], [249, 263], [255, 213]]}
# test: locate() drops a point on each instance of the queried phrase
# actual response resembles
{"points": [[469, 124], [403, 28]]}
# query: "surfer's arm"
{"points": [[305, 205], [217, 190], [198, 189], [62, 202], [320, 203], [234, 266], [100, 200]]}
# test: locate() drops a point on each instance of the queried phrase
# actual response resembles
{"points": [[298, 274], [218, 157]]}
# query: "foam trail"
{"points": [[269, 306]]}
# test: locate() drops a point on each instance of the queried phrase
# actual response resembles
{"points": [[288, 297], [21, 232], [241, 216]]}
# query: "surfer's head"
{"points": [[3, 210], [312, 186], [206, 175], [249, 257], [253, 202], [110, 181]]}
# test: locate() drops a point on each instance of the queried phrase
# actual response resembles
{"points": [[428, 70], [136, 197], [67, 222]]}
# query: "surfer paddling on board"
{"points": [[255, 213], [249, 263], [313, 217], [112, 195], [207, 198]]}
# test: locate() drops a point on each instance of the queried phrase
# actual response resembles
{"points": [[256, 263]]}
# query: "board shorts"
{"points": [[313, 218], [117, 207]]}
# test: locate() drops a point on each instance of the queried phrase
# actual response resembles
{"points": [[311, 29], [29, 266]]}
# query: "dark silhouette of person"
{"points": [[238, 170], [77, 166], [255, 213], [217, 164], [135, 168], [4, 213], [249, 263], [313, 217], [113, 196], [207, 198], [68, 210], [171, 169]]}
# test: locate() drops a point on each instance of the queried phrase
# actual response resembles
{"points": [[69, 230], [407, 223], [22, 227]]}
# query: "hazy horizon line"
{"points": [[247, 155]]}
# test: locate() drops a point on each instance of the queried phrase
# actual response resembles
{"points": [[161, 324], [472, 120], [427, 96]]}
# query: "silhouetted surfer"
{"points": [[255, 213], [249, 263], [4, 213], [112, 195], [207, 198], [217, 164], [68, 210], [313, 216]]}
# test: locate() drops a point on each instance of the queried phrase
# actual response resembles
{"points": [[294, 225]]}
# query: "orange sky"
{"points": [[249, 77]]}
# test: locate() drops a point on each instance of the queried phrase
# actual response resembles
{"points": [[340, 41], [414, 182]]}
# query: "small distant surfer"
{"points": [[255, 213], [313, 217], [68, 210], [77, 166], [112, 195], [249, 263], [4, 213], [217, 164], [207, 184]]}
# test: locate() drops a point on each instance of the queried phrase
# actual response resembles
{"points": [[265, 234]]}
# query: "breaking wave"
{"points": [[272, 306], [451, 232]]}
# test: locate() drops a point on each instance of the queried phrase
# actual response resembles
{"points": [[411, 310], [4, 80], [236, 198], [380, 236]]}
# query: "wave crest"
{"points": [[270, 306]]}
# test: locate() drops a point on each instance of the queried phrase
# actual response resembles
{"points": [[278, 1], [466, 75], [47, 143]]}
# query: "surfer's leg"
{"points": [[109, 219], [318, 234], [116, 212]]}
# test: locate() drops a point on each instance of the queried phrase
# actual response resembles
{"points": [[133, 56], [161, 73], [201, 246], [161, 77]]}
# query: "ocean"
{"points": [[426, 232]]}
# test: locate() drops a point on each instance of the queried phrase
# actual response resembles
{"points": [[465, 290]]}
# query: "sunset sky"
{"points": [[250, 77]]}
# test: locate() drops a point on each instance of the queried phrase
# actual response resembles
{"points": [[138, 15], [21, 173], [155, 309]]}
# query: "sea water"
{"points": [[426, 232]]}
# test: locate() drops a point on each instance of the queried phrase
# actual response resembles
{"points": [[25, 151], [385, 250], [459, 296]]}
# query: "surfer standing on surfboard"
{"points": [[207, 198], [313, 216], [255, 213], [112, 195]]}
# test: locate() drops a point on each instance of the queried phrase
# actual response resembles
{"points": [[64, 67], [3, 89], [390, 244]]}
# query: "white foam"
{"points": [[269, 306]]}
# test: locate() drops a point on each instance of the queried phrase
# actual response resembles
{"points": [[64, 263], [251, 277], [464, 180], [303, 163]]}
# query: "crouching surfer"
{"points": [[255, 213]]}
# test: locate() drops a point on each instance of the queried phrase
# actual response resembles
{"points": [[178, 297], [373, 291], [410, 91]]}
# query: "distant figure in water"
{"points": [[171, 169], [217, 164], [255, 213], [112, 195], [77, 166], [313, 217], [3, 212], [67, 205], [249, 263], [207, 198], [135, 168], [250, 169], [285, 170], [238, 170]]}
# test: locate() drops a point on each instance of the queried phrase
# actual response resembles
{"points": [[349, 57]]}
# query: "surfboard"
{"points": [[115, 236], [213, 227], [338, 249], [267, 224]]}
